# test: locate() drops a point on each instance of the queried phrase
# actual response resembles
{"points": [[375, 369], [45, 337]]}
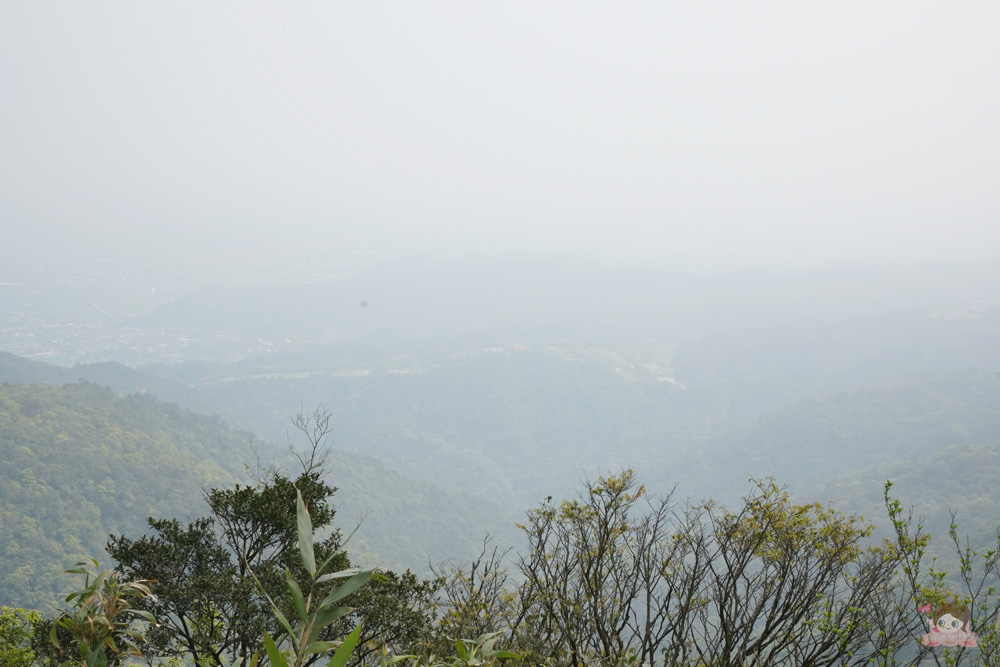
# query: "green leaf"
{"points": [[305, 535], [274, 607], [142, 613], [460, 650], [504, 654], [319, 647], [293, 587], [339, 658], [273, 654], [346, 588], [325, 617], [284, 621], [95, 658], [343, 574]]}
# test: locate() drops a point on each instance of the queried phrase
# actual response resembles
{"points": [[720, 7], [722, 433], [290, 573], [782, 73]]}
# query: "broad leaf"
{"points": [[340, 658], [305, 535], [319, 647], [325, 617], [346, 588], [273, 654], [342, 574], [504, 654], [293, 588]]}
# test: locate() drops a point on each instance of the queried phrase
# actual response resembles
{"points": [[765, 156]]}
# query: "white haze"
{"points": [[691, 135]]}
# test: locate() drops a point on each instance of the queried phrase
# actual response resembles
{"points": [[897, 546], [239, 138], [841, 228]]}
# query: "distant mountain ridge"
{"points": [[481, 299]]}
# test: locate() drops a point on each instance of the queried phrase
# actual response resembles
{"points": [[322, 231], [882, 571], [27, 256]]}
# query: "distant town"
{"points": [[91, 311]]}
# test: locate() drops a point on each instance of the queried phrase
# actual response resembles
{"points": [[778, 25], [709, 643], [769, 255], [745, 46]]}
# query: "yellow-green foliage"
{"points": [[80, 462], [17, 627], [773, 528]]}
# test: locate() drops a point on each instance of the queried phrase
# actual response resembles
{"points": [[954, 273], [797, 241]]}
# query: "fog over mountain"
{"points": [[509, 246]]}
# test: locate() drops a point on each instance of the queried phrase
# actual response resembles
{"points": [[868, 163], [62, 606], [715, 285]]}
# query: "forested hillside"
{"points": [[573, 412], [959, 479], [815, 438], [81, 462], [487, 412], [468, 440], [462, 393]]}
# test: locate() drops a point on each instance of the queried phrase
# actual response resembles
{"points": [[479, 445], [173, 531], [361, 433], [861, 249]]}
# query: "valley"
{"points": [[449, 430]]}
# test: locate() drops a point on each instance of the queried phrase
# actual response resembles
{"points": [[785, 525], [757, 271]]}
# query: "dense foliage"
{"points": [[616, 576], [419, 517], [799, 401], [619, 577], [17, 630], [226, 583], [80, 462]]}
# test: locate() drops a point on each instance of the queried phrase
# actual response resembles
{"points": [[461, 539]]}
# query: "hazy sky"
{"points": [[743, 132]]}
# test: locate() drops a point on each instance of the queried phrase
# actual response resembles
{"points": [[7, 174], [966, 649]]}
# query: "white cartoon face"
{"points": [[948, 623]]}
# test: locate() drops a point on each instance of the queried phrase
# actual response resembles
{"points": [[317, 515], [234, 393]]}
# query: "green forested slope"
{"points": [[407, 523], [410, 517], [960, 478], [116, 376], [80, 462], [503, 423], [440, 449], [959, 481], [816, 438]]}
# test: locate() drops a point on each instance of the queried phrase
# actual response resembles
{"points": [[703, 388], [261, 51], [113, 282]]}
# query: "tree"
{"points": [[207, 604], [397, 612], [104, 624], [17, 630], [476, 599], [617, 577], [790, 584], [600, 570], [216, 577], [973, 585]]}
